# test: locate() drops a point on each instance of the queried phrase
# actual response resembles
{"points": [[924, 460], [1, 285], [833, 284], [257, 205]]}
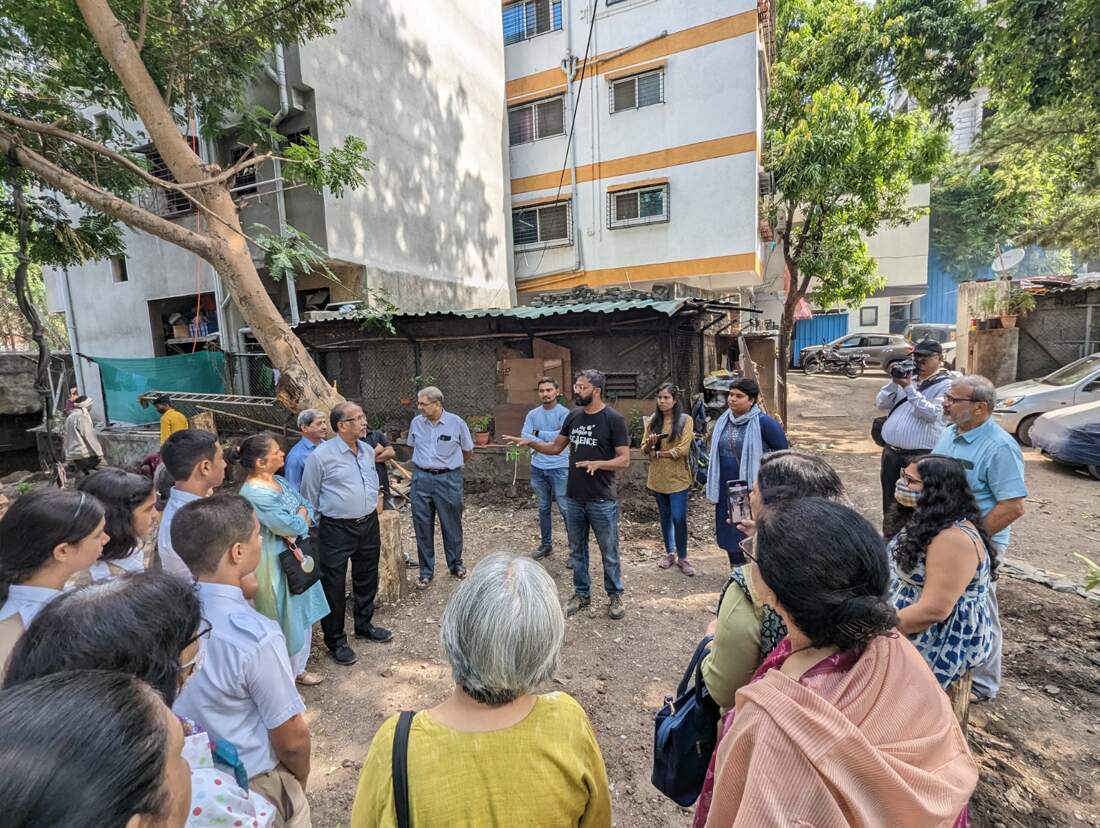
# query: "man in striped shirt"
{"points": [[916, 415]]}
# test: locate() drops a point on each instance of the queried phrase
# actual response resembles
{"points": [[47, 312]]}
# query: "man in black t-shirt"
{"points": [[383, 451], [599, 446]]}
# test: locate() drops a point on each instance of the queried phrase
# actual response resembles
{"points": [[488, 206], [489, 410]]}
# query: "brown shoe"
{"points": [[668, 560], [308, 679], [422, 583], [686, 567]]}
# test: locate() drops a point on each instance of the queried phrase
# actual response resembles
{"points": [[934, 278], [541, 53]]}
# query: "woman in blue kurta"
{"points": [[742, 435], [283, 514]]}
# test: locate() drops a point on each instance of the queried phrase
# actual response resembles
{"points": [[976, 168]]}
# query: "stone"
{"points": [[1052, 690], [1064, 585], [1015, 798], [386, 673]]}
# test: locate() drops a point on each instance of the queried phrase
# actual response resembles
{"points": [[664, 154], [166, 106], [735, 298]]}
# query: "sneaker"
{"points": [[344, 655], [686, 567], [410, 563], [541, 552], [576, 604], [616, 610], [379, 634], [668, 560]]}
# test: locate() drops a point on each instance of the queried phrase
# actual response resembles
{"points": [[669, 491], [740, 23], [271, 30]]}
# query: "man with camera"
{"points": [[914, 398]]}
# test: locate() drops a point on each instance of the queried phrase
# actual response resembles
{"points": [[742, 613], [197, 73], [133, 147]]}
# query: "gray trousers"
{"points": [[986, 679], [432, 495]]}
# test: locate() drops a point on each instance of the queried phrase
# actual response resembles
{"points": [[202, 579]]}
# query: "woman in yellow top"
{"points": [[494, 753], [667, 443]]}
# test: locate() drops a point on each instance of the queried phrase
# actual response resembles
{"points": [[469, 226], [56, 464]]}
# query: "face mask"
{"points": [[905, 496]]}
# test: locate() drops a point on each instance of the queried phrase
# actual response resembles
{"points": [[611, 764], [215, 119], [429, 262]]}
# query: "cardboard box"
{"points": [[544, 349], [528, 399], [179, 331], [521, 374], [508, 419]]}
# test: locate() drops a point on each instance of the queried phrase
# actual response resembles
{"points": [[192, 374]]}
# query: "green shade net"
{"points": [[124, 380]]}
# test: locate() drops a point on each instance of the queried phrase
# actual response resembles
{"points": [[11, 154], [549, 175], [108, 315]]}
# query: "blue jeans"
{"points": [[437, 494], [602, 516], [674, 521], [549, 485]]}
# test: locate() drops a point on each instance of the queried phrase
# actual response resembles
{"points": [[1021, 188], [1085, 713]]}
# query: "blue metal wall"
{"points": [[823, 326]]}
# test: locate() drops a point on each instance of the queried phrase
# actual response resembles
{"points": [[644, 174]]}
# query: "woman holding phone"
{"points": [[666, 441], [740, 438]]}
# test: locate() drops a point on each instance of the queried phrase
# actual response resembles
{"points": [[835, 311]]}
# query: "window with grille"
{"points": [[645, 205], [637, 91], [244, 182], [164, 202], [539, 119], [547, 225], [529, 18]]}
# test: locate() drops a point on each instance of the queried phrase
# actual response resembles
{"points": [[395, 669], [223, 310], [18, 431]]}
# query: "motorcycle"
{"points": [[831, 361]]}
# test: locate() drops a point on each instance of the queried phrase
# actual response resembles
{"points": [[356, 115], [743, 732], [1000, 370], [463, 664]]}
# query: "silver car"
{"points": [[1019, 404], [877, 349]]}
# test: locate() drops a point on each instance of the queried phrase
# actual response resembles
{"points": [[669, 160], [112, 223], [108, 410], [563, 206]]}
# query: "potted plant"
{"points": [[989, 307], [1014, 304], [480, 427]]}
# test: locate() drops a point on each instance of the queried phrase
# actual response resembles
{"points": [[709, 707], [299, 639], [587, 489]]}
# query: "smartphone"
{"points": [[737, 495]]}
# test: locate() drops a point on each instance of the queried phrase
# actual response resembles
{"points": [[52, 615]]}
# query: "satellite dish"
{"points": [[1008, 259]]}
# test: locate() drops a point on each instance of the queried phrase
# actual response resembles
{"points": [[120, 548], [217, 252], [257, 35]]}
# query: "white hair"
{"points": [[431, 394], [981, 389], [309, 416], [502, 629]]}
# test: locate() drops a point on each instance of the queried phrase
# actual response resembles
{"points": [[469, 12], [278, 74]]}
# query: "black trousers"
{"points": [[341, 541], [87, 465], [893, 461]]}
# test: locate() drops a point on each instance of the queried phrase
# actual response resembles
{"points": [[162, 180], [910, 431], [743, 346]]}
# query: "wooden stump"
{"points": [[958, 693], [392, 584]]}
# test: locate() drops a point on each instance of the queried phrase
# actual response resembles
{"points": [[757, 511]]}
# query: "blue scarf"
{"points": [[752, 449]]}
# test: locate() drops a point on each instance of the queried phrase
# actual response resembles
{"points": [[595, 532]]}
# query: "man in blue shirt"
{"points": [[549, 472], [995, 471], [341, 483], [441, 445], [314, 427]]}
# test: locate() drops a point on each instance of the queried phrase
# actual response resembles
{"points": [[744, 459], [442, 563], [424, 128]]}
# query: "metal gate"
{"points": [[823, 326]]}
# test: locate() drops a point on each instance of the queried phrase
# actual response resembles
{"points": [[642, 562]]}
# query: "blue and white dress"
{"points": [[963, 640]]}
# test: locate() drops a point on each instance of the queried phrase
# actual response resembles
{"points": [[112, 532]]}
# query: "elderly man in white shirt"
{"points": [[245, 691]]}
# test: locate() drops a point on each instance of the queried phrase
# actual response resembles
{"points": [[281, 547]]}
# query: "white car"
{"points": [[1019, 404], [1071, 436]]}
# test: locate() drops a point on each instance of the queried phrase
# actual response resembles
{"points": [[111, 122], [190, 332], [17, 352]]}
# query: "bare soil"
{"points": [[1037, 744]]}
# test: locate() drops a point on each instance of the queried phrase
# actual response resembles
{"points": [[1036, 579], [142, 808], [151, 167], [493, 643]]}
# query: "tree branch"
{"points": [[143, 20], [206, 44]]}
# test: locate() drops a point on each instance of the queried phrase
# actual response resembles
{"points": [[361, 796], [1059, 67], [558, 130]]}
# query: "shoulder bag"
{"points": [[685, 731], [879, 423], [400, 768], [299, 563]]}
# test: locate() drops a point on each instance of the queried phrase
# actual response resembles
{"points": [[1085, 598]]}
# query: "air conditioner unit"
{"points": [[766, 182]]}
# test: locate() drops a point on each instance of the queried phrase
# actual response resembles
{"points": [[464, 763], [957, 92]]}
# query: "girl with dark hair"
{"points": [[941, 570], [130, 506], [284, 517], [146, 625], [738, 441], [46, 537], [666, 440], [844, 713], [91, 748]]}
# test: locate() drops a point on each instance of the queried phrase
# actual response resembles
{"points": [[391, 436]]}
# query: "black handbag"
{"points": [[685, 731], [299, 564], [879, 423]]}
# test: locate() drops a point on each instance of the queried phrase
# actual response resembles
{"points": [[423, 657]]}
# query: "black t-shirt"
{"points": [[377, 438], [593, 437]]}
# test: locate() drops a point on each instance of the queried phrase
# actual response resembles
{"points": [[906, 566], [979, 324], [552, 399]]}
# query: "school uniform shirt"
{"points": [[593, 437], [246, 686], [169, 560], [27, 601], [108, 570], [439, 445]]}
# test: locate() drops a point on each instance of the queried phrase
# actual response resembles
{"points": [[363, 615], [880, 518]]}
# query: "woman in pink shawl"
{"points": [[843, 724]]}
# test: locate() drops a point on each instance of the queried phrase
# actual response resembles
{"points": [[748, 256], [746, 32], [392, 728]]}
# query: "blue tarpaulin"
{"points": [[124, 380]]}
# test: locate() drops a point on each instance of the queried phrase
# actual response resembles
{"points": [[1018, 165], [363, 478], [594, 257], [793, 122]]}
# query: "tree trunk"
{"points": [[301, 384]]}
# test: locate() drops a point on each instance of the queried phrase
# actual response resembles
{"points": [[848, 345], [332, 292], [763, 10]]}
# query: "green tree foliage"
{"points": [[14, 330]]}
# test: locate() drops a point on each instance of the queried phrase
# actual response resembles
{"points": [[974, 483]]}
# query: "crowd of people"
{"points": [[156, 683]]}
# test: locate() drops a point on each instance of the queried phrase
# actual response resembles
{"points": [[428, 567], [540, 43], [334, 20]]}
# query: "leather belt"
{"points": [[353, 521], [435, 471]]}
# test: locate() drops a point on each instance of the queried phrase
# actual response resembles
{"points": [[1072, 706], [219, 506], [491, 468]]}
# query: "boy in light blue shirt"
{"points": [[549, 472]]}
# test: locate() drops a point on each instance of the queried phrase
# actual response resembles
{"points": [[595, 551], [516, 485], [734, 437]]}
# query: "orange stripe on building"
{"points": [[713, 266], [682, 41], [660, 159]]}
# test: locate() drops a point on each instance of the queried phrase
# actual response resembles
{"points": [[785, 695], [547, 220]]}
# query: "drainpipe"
{"points": [[279, 76], [70, 325]]}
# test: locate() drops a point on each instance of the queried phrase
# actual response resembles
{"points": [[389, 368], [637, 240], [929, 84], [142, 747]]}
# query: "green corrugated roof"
{"points": [[667, 307]]}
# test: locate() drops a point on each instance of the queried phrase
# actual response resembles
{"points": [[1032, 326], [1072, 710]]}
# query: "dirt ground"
{"points": [[1037, 744]]}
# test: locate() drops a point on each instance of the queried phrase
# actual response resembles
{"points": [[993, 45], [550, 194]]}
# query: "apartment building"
{"points": [[661, 180], [422, 84]]}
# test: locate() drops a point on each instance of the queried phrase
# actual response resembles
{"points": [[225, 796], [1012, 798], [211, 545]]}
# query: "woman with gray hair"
{"points": [[494, 752]]}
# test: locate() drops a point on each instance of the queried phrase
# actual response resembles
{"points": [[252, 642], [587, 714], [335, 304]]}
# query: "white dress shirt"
{"points": [[245, 687], [28, 601], [134, 562], [169, 560]]}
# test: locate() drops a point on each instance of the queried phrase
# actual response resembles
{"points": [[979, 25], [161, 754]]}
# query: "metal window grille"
{"points": [[530, 18], [551, 224], [535, 120], [621, 386], [637, 91], [167, 203], [631, 208], [244, 182]]}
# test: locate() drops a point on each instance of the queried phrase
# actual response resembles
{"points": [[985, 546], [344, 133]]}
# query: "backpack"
{"points": [[698, 459]]}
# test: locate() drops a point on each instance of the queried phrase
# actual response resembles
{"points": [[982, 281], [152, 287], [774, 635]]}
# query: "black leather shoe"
{"points": [[459, 573], [379, 634], [541, 552], [344, 655]]}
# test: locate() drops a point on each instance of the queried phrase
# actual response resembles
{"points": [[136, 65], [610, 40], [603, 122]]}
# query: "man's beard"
{"points": [[582, 401], [959, 419]]}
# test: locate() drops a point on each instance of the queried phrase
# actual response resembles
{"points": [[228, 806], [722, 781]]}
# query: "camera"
{"points": [[903, 369]]}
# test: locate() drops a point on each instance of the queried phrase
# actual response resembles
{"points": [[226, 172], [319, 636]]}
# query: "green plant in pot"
{"points": [[480, 426], [989, 306], [1014, 304]]}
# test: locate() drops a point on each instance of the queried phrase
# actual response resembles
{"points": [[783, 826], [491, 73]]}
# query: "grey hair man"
{"points": [[313, 423], [441, 444], [995, 471]]}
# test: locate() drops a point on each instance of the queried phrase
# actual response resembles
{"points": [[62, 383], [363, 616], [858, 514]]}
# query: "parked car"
{"points": [[942, 333], [878, 350], [1020, 404], [1071, 436]]}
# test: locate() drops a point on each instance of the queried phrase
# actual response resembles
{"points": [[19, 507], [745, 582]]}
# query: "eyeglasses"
{"points": [[205, 628], [748, 548], [362, 418], [908, 478], [954, 400], [195, 664]]}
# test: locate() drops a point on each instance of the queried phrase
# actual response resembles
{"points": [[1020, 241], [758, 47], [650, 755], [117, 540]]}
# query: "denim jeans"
{"points": [[674, 521], [602, 516], [549, 485], [432, 495]]}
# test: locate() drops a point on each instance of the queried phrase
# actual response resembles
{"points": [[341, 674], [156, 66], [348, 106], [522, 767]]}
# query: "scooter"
{"points": [[831, 361]]}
